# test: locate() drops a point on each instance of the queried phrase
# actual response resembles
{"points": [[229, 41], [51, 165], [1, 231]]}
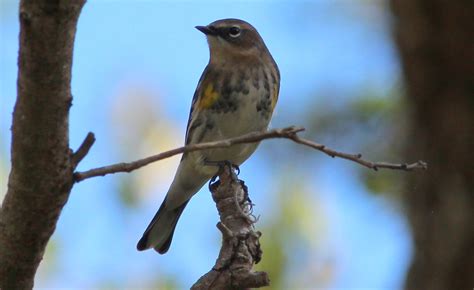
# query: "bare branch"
{"points": [[288, 133], [358, 157], [247, 138], [83, 149]]}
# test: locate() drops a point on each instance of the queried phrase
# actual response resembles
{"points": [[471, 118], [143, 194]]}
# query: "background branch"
{"points": [[438, 70], [41, 177], [288, 133]]}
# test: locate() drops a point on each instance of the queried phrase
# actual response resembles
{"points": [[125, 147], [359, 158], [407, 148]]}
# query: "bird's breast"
{"points": [[247, 97]]}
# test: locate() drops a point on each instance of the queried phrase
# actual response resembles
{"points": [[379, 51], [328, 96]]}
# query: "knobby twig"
{"points": [[240, 242], [288, 133], [358, 157], [83, 149]]}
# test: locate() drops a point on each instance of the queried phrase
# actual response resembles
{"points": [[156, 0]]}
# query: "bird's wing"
{"points": [[197, 95]]}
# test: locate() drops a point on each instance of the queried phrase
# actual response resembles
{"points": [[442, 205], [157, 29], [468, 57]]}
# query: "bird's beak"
{"points": [[207, 30]]}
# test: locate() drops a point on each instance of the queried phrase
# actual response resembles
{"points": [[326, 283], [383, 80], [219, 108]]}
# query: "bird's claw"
{"points": [[237, 168], [213, 183], [222, 164]]}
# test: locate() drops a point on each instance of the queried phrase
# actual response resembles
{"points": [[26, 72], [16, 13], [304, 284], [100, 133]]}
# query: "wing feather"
{"points": [[197, 95]]}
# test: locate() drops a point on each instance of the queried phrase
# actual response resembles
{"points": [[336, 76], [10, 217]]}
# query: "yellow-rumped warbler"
{"points": [[236, 95]]}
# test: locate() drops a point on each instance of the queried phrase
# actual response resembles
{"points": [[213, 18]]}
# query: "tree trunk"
{"points": [[42, 168], [436, 44]]}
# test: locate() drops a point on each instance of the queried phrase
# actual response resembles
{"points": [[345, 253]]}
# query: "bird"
{"points": [[236, 95]]}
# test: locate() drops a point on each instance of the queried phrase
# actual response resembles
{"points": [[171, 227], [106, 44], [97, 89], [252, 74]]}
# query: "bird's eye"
{"points": [[234, 31]]}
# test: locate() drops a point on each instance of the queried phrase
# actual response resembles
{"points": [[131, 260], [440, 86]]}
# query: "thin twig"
{"points": [[83, 149], [288, 133], [247, 138], [358, 157]]}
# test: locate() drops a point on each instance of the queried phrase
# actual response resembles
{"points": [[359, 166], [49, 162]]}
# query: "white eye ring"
{"points": [[234, 31]]}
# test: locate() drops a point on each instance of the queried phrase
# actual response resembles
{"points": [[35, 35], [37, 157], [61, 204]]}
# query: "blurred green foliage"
{"points": [[371, 123], [293, 233]]}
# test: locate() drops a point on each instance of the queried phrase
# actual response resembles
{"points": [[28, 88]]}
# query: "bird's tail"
{"points": [[159, 233]]}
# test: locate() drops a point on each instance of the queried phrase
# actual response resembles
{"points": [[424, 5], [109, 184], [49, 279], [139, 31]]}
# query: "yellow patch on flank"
{"points": [[275, 93], [208, 97]]}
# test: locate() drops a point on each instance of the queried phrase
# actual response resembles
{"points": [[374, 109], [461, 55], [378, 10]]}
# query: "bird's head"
{"points": [[232, 38]]}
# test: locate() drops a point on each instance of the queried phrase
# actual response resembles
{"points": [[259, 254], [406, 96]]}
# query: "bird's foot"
{"points": [[222, 164], [213, 184]]}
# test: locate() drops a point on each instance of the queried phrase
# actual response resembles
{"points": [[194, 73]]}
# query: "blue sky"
{"points": [[320, 46]]}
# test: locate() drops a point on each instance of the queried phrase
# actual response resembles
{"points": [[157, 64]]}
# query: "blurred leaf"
{"points": [[292, 235], [169, 283], [140, 129], [4, 168], [371, 124], [274, 256], [127, 191], [380, 182]]}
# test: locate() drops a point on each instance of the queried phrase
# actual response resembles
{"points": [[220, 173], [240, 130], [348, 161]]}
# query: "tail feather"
{"points": [[186, 183], [159, 233]]}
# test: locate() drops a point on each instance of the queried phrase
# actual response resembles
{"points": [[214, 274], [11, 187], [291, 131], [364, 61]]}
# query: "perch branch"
{"points": [[240, 242], [288, 133]]}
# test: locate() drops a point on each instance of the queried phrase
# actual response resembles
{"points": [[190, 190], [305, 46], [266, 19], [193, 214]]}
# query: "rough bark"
{"points": [[240, 242], [435, 39], [42, 168]]}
